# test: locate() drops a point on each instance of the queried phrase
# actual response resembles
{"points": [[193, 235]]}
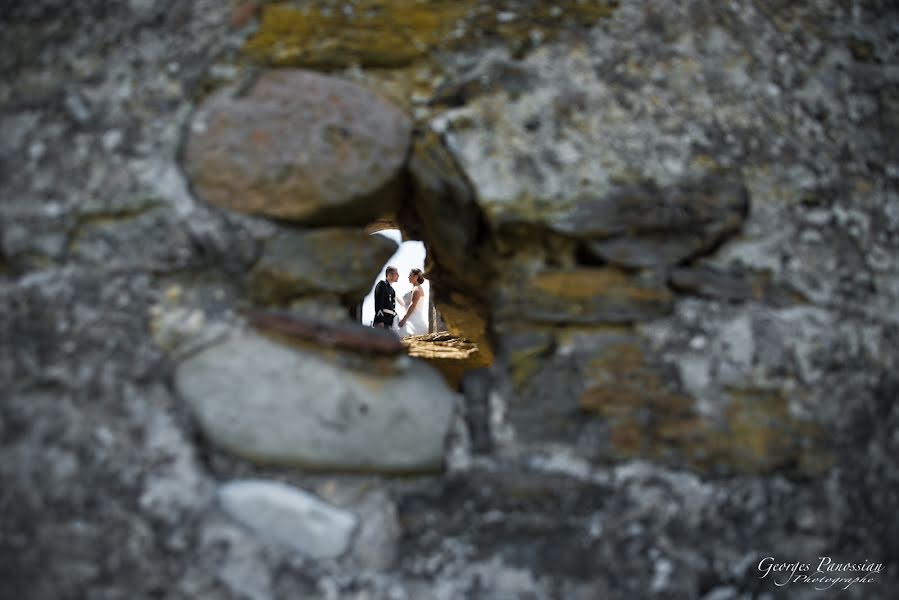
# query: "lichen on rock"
{"points": [[392, 34]]}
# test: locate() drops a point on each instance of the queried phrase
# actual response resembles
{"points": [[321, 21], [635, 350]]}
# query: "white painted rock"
{"points": [[289, 516]]}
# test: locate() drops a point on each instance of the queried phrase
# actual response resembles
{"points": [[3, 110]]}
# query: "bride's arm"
{"points": [[397, 298], [416, 296]]}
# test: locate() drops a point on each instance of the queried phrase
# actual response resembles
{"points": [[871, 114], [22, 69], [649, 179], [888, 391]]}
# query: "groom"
{"points": [[385, 300]]}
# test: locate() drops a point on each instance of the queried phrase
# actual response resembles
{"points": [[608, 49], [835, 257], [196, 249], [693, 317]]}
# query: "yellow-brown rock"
{"points": [[583, 295], [465, 318], [628, 390], [448, 354], [649, 419], [391, 33], [762, 436]]}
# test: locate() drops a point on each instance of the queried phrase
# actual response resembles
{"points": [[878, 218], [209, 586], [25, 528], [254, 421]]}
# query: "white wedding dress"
{"points": [[417, 323]]}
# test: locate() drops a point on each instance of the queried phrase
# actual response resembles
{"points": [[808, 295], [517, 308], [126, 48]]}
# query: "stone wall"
{"points": [[671, 229]]}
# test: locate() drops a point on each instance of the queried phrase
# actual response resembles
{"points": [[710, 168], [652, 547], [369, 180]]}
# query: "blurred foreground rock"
{"points": [[289, 516], [319, 261], [299, 145], [276, 404]]}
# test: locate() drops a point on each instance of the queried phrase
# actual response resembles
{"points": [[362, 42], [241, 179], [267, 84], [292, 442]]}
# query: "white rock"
{"points": [[289, 516], [275, 403]]}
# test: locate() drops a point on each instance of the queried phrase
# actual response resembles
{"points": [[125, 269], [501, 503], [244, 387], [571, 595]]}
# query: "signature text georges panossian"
{"points": [[826, 574]]}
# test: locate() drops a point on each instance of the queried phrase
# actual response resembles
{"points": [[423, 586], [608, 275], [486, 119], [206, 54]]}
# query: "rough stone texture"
{"points": [[651, 146], [460, 256], [289, 516], [298, 145], [336, 261], [450, 355], [272, 403], [393, 33], [448, 216], [748, 424], [583, 295], [376, 543], [708, 207], [641, 226], [734, 285], [558, 520], [464, 318], [648, 416], [325, 308]]}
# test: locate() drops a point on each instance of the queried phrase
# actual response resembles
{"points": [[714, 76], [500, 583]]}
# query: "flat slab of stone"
{"points": [[288, 516], [710, 206], [298, 145], [392, 33], [651, 226], [450, 355], [583, 295], [274, 403], [334, 260], [652, 250]]}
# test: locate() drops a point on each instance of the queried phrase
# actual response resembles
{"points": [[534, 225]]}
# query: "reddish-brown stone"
{"points": [[242, 13], [301, 146]]}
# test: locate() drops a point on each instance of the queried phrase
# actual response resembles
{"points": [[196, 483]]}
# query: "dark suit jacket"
{"points": [[385, 297]]}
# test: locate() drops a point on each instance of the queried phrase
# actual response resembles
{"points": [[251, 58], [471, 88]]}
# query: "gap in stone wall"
{"points": [[451, 354]]}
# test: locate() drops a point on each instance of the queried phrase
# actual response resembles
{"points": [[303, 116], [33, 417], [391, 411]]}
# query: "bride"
{"points": [[415, 321]]}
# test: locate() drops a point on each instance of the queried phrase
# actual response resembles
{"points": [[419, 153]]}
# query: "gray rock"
{"points": [[476, 385], [275, 403], [707, 209], [713, 283], [299, 145], [288, 516], [572, 160], [327, 308], [733, 285], [448, 215], [105, 240], [648, 250], [722, 593], [376, 543], [654, 227], [329, 260]]}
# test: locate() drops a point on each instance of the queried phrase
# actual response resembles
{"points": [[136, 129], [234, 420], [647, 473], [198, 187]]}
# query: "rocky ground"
{"points": [[666, 232]]}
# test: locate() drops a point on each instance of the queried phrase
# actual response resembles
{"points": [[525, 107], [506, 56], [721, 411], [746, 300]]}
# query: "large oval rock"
{"points": [[289, 516], [271, 402], [299, 145], [578, 150]]}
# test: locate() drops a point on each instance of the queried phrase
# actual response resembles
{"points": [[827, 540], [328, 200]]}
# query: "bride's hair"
{"points": [[418, 276]]}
